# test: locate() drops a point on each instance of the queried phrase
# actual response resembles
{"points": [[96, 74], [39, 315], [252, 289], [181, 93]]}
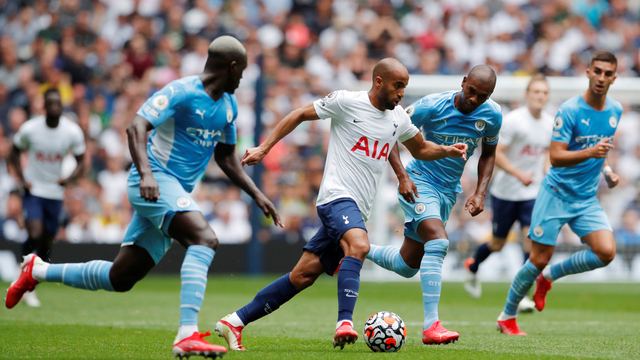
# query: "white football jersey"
{"points": [[528, 141], [47, 147], [360, 141]]}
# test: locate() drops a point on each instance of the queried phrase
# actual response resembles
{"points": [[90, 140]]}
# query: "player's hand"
{"points": [[253, 156], [612, 179], [407, 189], [26, 185], [475, 204], [149, 189], [601, 149], [457, 150], [525, 178], [269, 209]]}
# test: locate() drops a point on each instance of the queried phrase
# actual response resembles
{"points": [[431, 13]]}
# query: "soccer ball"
{"points": [[385, 332]]}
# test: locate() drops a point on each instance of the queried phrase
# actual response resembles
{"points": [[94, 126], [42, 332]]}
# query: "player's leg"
{"points": [[274, 295], [191, 230], [526, 305], [549, 214], [355, 245], [131, 264], [405, 261], [436, 245], [33, 217]]}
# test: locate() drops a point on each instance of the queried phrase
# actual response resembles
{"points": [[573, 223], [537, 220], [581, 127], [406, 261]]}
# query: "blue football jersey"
{"points": [[581, 126], [441, 123], [187, 126]]}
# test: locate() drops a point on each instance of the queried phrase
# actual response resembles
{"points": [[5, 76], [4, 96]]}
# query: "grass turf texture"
{"points": [[581, 321]]}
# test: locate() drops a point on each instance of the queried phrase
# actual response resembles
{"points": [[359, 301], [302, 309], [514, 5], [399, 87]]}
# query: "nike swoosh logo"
{"points": [[357, 121], [349, 295]]}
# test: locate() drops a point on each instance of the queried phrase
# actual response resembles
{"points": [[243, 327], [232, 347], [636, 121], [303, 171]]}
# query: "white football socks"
{"points": [[234, 320], [40, 270], [504, 316], [343, 321], [185, 331]]}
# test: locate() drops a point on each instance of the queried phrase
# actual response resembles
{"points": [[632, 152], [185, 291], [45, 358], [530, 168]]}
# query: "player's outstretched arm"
{"points": [[137, 136], [422, 149], [561, 157], [14, 160], [475, 204], [76, 174], [287, 125], [612, 178], [406, 187], [229, 162], [503, 162]]}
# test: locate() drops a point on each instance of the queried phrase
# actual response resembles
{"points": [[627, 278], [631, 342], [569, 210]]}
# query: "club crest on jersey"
{"points": [[538, 231], [420, 208], [327, 99], [160, 102], [183, 202], [613, 121], [410, 110], [229, 115], [558, 123], [480, 125]]}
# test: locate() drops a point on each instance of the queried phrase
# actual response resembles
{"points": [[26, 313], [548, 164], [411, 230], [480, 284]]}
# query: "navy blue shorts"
{"points": [[46, 210], [506, 212], [337, 217]]}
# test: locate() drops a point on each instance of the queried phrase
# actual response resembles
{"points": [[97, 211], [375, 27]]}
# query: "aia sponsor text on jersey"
{"points": [[48, 157], [529, 150], [363, 145]]}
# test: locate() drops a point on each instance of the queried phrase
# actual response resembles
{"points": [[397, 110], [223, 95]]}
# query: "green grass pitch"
{"points": [[581, 321]]}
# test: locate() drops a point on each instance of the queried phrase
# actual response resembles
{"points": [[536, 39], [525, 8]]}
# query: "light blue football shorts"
{"points": [[431, 203], [550, 213], [149, 227]]}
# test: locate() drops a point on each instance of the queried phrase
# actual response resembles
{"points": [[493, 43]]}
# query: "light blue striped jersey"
{"points": [[442, 123], [581, 126], [188, 125]]}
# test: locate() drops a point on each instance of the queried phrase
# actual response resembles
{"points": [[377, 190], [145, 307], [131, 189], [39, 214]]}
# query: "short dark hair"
{"points": [[604, 55], [51, 91], [536, 77]]}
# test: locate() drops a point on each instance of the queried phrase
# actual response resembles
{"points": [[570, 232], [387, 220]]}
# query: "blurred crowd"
{"points": [[106, 57]]}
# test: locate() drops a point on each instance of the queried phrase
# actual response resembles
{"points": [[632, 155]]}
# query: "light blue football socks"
{"points": [[92, 275], [431, 278], [389, 258], [193, 275], [520, 287], [579, 262]]}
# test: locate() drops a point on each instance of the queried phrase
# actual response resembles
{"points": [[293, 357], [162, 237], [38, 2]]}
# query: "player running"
{"points": [[582, 132], [521, 157], [466, 116], [191, 119], [364, 128], [47, 139]]}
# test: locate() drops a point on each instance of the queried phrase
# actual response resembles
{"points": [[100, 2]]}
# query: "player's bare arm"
{"points": [[612, 178], [77, 172], [422, 149], [226, 157], [137, 136], [287, 125], [14, 160], [407, 188], [502, 161], [475, 204], [561, 157]]}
